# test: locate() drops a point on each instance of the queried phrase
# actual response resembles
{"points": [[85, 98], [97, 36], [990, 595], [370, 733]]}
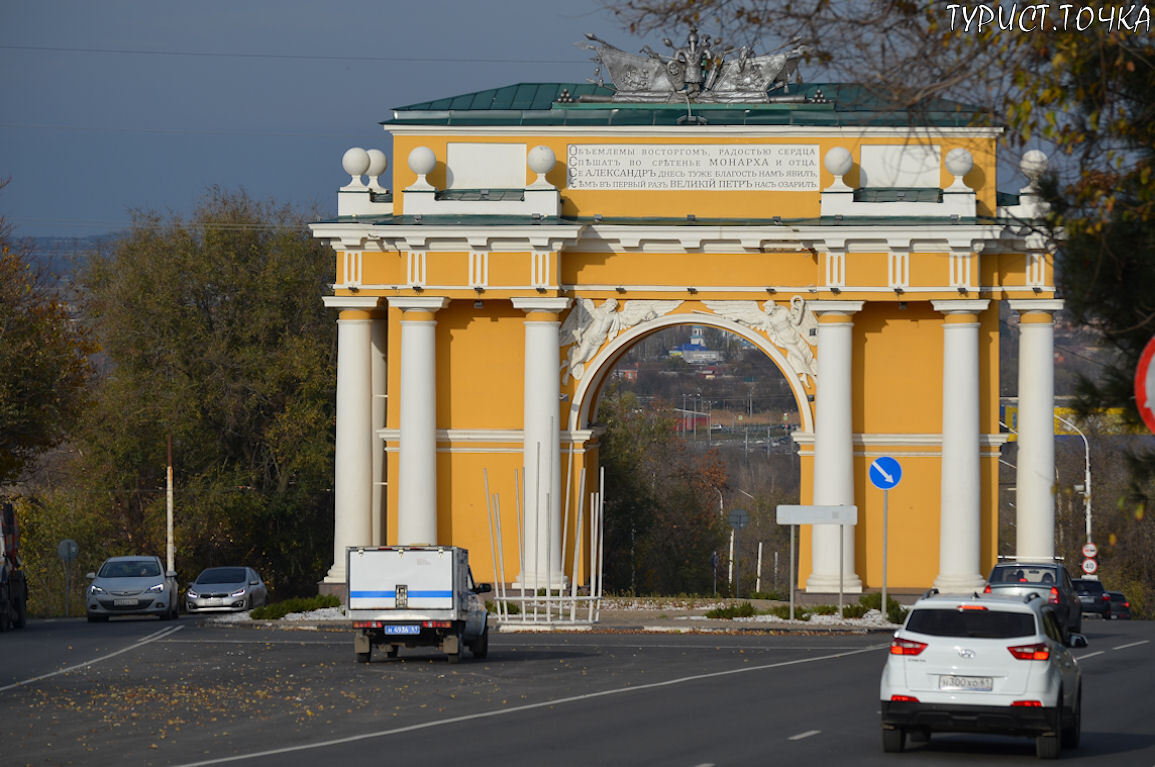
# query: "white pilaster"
{"points": [[542, 444], [417, 454], [352, 473], [833, 448], [1035, 464], [960, 505]]}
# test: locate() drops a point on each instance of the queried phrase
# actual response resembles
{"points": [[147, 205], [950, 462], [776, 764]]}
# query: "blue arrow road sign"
{"points": [[885, 472]]}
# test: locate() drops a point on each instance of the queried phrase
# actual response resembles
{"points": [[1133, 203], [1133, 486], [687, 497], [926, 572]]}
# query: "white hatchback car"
{"points": [[986, 665]]}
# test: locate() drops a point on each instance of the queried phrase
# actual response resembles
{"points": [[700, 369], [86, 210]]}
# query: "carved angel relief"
{"points": [[589, 326], [789, 329]]}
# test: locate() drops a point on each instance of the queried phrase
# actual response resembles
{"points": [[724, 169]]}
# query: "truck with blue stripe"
{"points": [[415, 596]]}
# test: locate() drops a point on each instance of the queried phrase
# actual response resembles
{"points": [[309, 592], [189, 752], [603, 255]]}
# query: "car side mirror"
{"points": [[91, 576], [254, 583], [483, 588], [1077, 641]]}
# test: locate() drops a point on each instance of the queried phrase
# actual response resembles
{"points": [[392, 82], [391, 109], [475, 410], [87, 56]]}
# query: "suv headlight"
{"points": [[238, 593], [156, 589], [191, 594]]}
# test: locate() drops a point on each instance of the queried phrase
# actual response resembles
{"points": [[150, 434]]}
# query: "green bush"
{"points": [[824, 609], [741, 610], [894, 611], [854, 611], [279, 610], [783, 612], [511, 608]]}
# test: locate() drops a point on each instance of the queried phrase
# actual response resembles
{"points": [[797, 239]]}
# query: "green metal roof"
{"points": [[537, 104]]}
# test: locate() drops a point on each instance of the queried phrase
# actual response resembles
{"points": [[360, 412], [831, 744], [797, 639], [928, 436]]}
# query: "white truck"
{"points": [[415, 596]]}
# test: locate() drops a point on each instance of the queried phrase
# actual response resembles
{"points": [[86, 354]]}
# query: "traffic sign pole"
{"points": [[885, 521], [885, 472]]}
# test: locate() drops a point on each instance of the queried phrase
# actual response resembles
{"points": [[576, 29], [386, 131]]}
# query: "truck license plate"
{"points": [[410, 629]]}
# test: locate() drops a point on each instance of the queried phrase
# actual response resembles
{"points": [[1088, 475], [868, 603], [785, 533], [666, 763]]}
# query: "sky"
{"points": [[109, 106]]}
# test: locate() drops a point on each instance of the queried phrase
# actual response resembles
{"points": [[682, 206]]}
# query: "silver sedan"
{"points": [[226, 589]]}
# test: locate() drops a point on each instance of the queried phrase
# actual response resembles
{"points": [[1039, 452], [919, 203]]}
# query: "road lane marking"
{"points": [[1132, 644], [1090, 655], [146, 640], [528, 707], [803, 735]]}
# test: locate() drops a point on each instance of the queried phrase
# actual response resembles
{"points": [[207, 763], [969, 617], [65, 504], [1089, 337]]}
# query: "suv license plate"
{"points": [[403, 629], [982, 683]]}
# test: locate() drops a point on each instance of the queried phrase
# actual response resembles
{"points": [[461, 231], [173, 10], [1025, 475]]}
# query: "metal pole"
{"points": [[758, 577], [170, 548], [792, 571], [841, 546], [737, 562], [885, 521]]}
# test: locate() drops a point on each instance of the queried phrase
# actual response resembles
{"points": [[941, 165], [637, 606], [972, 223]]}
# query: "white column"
{"points": [[960, 505], [352, 473], [1035, 464], [833, 446], [541, 446], [417, 452], [379, 381]]}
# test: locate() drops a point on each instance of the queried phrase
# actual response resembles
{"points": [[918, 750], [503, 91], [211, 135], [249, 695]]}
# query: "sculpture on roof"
{"points": [[695, 72], [589, 326], [788, 329]]}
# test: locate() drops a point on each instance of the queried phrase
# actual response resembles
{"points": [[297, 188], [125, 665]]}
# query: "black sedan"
{"points": [[1093, 598], [1120, 606]]}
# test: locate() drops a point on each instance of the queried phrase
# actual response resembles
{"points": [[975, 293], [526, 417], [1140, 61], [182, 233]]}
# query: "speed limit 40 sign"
{"points": [[1090, 566], [1145, 385]]}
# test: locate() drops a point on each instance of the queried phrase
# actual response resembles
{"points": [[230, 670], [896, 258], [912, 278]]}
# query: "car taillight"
{"points": [[1054, 599], [1107, 597], [903, 699], [987, 590], [906, 647], [1028, 703], [1038, 651], [436, 624]]}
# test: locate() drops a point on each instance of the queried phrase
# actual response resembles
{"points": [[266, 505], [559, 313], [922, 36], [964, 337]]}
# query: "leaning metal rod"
{"points": [[577, 547], [519, 492], [492, 543], [564, 532], [601, 539], [593, 553], [503, 605]]}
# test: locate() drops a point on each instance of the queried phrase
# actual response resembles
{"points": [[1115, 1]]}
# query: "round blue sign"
{"points": [[885, 472]]}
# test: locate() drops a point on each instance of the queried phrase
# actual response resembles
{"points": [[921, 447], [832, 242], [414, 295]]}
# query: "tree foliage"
{"points": [[661, 522], [45, 363], [215, 334]]}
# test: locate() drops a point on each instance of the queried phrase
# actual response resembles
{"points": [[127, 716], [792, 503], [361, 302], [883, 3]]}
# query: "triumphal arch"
{"points": [[529, 234]]}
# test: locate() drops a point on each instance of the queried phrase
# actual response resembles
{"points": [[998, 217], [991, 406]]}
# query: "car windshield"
{"points": [[1035, 575], [136, 568], [222, 575], [978, 624]]}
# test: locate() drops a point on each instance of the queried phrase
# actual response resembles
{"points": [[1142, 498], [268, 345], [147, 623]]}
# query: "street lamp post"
{"points": [[1086, 472]]}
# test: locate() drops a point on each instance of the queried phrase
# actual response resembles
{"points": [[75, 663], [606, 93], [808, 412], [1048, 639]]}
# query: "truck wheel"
{"points": [[21, 612], [480, 645], [364, 657]]}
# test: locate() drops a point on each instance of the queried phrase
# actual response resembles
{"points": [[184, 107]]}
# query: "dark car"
{"points": [[1049, 580], [1093, 598], [1120, 606]]}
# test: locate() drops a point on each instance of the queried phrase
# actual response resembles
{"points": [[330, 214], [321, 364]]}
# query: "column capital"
{"points": [[834, 307], [537, 304], [364, 303], [960, 306], [1022, 305], [418, 303]]}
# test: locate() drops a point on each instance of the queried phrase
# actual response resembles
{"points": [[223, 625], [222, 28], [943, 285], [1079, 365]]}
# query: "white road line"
{"points": [[146, 640], [803, 735], [528, 707], [1090, 655], [1132, 644]]}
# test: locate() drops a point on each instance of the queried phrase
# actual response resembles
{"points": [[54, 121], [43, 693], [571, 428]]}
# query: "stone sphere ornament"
{"points": [[422, 160], [355, 161], [959, 162]]}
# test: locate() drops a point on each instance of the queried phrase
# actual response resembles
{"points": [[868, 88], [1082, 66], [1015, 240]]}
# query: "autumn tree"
{"points": [[214, 334], [44, 359], [661, 524]]}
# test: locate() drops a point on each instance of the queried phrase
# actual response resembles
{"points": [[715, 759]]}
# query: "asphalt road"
{"points": [[192, 692]]}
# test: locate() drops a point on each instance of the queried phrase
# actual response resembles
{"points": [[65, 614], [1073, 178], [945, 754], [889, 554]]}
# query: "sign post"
{"points": [[738, 519], [885, 473], [816, 515]]}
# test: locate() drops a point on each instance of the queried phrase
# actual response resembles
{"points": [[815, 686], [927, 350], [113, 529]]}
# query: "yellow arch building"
{"points": [[530, 234]]}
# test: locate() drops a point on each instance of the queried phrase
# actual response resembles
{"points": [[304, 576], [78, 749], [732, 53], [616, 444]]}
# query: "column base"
{"points": [[531, 582], [336, 574], [828, 584], [959, 584]]}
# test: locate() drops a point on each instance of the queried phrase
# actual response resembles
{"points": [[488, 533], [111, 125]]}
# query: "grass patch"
{"points": [[741, 610], [894, 611], [279, 610], [783, 612]]}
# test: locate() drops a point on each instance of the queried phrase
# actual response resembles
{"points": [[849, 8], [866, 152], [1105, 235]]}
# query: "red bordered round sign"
{"points": [[1145, 385], [1090, 566]]}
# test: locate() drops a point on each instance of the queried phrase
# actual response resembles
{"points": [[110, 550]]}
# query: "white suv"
{"points": [[983, 664]]}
